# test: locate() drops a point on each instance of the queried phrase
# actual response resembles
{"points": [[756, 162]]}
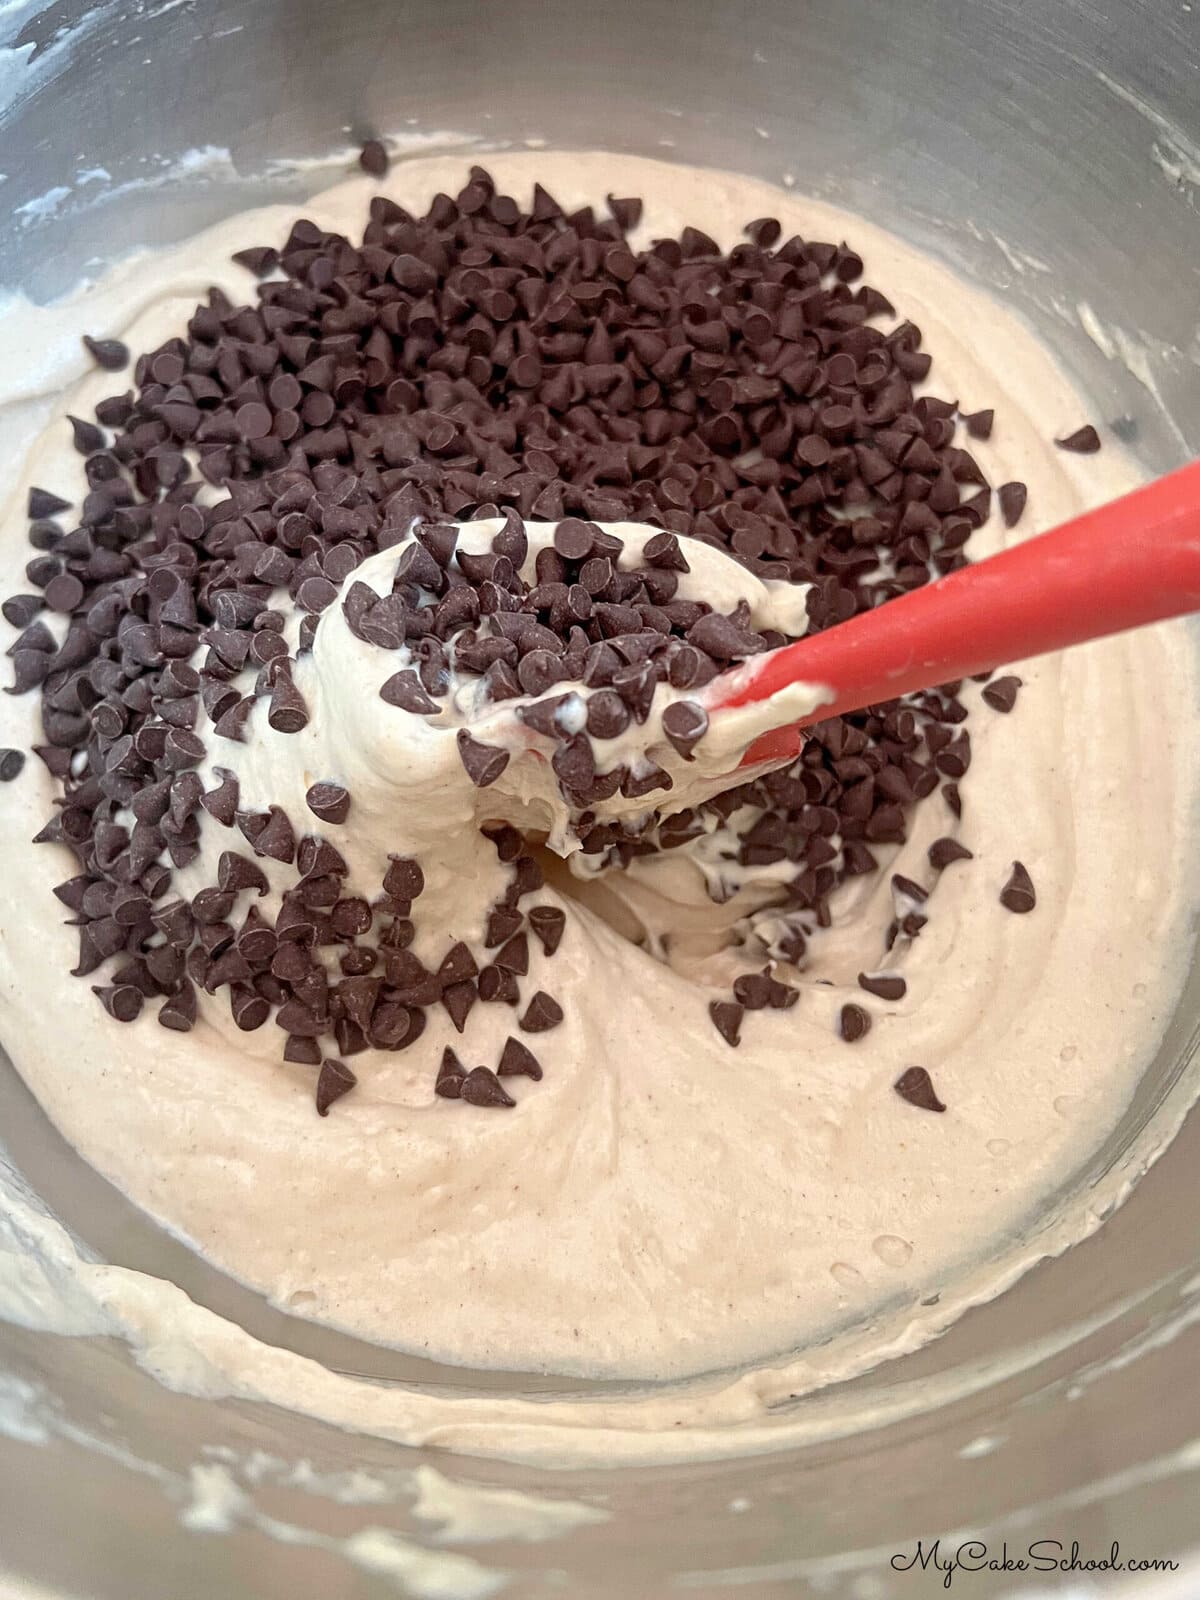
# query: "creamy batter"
{"points": [[658, 1206]]}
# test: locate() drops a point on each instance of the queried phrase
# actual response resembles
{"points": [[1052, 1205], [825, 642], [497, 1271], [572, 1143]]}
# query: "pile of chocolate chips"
{"points": [[476, 360], [620, 633]]}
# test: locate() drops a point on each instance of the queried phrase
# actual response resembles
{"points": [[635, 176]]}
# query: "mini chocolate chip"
{"points": [[502, 923], [86, 436], [595, 576], [403, 689], [404, 879], [764, 231], [574, 763], [256, 940], [178, 1011], [457, 965], [944, 851], [329, 801], [458, 998], [11, 763], [395, 1026], [886, 985], [952, 798], [249, 1010], [549, 924], [497, 985], [662, 551], [259, 259], [546, 716], [211, 906], [334, 1081], [516, 1059], [451, 1076], [607, 714], [907, 889], [543, 1012], [417, 566], [275, 838], [537, 671], [1012, 497], [373, 158], [636, 684], [290, 962], [853, 1023], [574, 539], [626, 213], [1018, 894], [512, 541], [122, 1001], [1001, 693], [42, 504], [727, 1019], [685, 723], [318, 858], [481, 1087], [110, 354], [288, 712], [440, 539], [978, 423], [916, 1086], [64, 592], [781, 996], [513, 955], [303, 1049], [507, 841], [1084, 441], [175, 923], [722, 638], [231, 724], [689, 667], [182, 750], [483, 762], [222, 803], [268, 646], [237, 872], [752, 990], [20, 609], [315, 593]]}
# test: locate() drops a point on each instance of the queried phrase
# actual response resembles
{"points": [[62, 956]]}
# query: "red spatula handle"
{"points": [[1134, 561]]}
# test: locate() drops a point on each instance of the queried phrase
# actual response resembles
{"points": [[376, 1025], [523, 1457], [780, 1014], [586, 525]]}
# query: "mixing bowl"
{"points": [[1050, 153]]}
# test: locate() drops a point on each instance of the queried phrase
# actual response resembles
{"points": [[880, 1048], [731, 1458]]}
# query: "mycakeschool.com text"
{"points": [[951, 1561]]}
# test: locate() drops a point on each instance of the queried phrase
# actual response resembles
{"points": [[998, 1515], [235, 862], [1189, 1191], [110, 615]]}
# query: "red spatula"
{"points": [[1126, 564]]}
